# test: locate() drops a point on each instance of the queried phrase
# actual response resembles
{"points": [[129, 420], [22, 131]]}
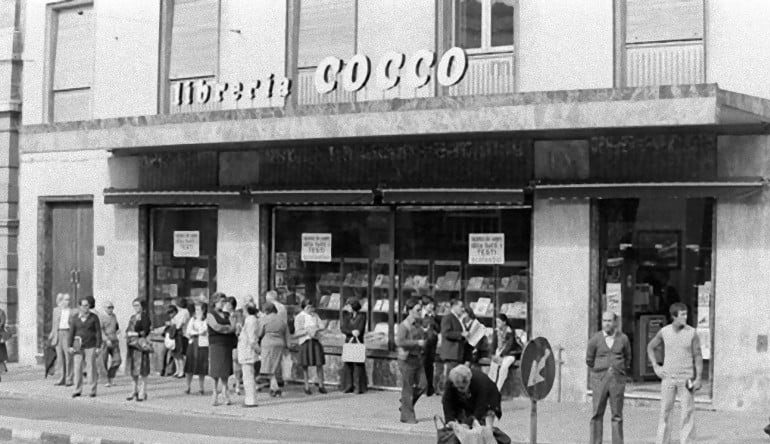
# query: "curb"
{"points": [[35, 436]]}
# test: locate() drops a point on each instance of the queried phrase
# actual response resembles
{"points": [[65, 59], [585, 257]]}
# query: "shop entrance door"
{"points": [[71, 251]]}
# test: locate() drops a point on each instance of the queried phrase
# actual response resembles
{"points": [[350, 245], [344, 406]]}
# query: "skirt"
{"points": [[220, 361], [270, 359], [311, 354], [3, 358], [137, 363], [197, 362], [180, 347]]}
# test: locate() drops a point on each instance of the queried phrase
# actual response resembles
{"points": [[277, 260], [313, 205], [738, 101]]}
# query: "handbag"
{"points": [[169, 342], [444, 434], [354, 352]]}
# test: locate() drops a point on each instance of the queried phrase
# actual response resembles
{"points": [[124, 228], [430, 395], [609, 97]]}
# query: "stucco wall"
{"points": [[560, 286], [742, 308], [738, 46], [238, 253], [115, 275], [565, 44]]}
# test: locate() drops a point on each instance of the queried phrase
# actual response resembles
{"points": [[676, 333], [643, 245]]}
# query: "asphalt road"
{"points": [[220, 427]]}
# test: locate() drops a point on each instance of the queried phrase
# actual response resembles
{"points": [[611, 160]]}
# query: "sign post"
{"points": [[538, 369]]}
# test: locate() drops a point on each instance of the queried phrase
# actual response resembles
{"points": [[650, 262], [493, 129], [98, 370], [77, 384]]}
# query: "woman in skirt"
{"points": [[138, 357], [307, 324], [197, 357], [180, 320], [274, 334], [222, 341], [4, 335]]}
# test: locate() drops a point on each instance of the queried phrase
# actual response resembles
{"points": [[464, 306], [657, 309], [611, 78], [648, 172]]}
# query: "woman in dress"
{"points": [[274, 334], [3, 337], [179, 321], [353, 326], [197, 356], [311, 353], [222, 341], [248, 354], [138, 358]]}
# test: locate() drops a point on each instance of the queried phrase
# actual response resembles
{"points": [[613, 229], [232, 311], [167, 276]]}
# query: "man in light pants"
{"points": [[681, 372], [86, 331]]}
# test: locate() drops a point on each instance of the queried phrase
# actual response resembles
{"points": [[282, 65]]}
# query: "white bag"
{"points": [[477, 434], [354, 352], [169, 342]]}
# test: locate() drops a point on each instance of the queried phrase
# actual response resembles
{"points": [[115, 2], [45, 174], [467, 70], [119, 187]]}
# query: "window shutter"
{"points": [[194, 39], [326, 28], [74, 56], [663, 20]]}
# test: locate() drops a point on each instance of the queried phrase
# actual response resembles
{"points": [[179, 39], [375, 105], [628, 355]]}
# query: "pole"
{"points": [[559, 363], [533, 423]]}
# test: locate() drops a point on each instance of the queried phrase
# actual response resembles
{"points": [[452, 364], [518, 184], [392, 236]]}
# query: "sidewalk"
{"points": [[378, 410]]}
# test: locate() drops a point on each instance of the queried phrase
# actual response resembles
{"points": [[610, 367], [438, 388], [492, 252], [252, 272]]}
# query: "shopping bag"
{"points": [[476, 434], [444, 434], [169, 342], [354, 351], [286, 365]]}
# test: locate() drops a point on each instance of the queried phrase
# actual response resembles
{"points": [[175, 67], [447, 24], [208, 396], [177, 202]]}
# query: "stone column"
{"points": [[10, 120]]}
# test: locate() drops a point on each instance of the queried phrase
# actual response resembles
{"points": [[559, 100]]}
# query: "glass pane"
{"points": [[502, 22], [326, 28], [173, 277], [194, 39], [378, 336], [414, 282], [468, 24]]}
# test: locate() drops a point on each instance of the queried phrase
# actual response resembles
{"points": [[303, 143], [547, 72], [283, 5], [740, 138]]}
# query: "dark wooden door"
{"points": [[72, 250]]}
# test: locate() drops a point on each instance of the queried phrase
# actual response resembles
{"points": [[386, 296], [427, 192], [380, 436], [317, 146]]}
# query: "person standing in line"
{"points": [[4, 335], [505, 346], [307, 324], [272, 297], [197, 355], [353, 326], [273, 334], [137, 355], [248, 354], [60, 337], [453, 334], [431, 327], [179, 321], [681, 373], [111, 351], [410, 340], [85, 343], [221, 344], [608, 356], [236, 320]]}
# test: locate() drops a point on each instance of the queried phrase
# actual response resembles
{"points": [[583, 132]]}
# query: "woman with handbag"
{"points": [[4, 336], [307, 324], [248, 354], [274, 336], [197, 354], [139, 349], [221, 344], [179, 321], [353, 326]]}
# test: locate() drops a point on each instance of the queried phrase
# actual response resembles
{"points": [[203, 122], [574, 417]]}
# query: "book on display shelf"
{"points": [[324, 301], [482, 306], [334, 301], [476, 331], [378, 305]]}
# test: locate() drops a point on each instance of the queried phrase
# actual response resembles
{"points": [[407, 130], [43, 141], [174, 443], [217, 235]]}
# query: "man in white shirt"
{"points": [[60, 337]]}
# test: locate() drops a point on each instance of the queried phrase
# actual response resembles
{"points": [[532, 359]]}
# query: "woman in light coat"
{"points": [[248, 354], [274, 337]]}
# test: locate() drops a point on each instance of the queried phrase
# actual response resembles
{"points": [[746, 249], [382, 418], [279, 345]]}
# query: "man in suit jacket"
{"points": [[609, 359], [60, 337], [453, 336]]}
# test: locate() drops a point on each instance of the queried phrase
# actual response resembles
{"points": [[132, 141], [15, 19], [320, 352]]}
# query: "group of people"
{"points": [[608, 357]]}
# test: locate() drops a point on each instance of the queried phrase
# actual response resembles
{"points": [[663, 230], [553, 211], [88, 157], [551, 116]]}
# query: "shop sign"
{"points": [[204, 91], [316, 247], [486, 249], [187, 243], [391, 69]]}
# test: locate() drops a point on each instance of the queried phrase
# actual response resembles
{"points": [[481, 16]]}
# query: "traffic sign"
{"points": [[538, 368]]}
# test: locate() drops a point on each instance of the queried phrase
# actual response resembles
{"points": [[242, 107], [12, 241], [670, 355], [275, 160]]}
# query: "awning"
{"points": [[456, 196], [312, 197], [717, 189], [136, 197]]}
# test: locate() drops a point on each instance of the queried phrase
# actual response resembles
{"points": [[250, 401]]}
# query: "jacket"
{"points": [[484, 397], [505, 345], [352, 322], [599, 358], [54, 335], [452, 342], [273, 331], [248, 341], [407, 335]]}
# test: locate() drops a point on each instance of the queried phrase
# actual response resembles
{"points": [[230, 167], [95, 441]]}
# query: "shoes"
{"points": [[348, 390], [75, 395], [59, 383], [92, 395], [430, 391], [109, 384], [409, 421], [307, 391], [322, 390], [361, 392], [201, 392], [249, 405], [187, 392], [132, 397], [69, 384]]}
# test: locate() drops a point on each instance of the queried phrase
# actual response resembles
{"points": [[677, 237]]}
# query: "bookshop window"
{"points": [[183, 257], [653, 253]]}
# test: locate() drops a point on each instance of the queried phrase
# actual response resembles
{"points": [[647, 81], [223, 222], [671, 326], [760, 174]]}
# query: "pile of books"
{"points": [[330, 301], [356, 279], [383, 281], [377, 338], [479, 283], [199, 274], [450, 281], [416, 282], [383, 305], [331, 279], [516, 310], [483, 307], [514, 283]]}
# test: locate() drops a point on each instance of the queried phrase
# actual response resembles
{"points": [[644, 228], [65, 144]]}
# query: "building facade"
{"points": [[547, 160]]}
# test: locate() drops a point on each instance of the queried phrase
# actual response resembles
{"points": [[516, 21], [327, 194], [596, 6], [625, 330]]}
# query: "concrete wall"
{"points": [[560, 286], [742, 308], [34, 60], [115, 275], [238, 253], [565, 44], [738, 46]]}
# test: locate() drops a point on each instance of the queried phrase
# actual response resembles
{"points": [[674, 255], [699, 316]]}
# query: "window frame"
{"points": [[486, 30], [49, 61]]}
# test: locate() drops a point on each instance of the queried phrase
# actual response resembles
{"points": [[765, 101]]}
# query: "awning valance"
{"points": [[137, 197], [717, 189], [454, 196], [312, 197]]}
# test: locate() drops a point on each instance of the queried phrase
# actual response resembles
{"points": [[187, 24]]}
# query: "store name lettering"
{"points": [[205, 91], [388, 74]]}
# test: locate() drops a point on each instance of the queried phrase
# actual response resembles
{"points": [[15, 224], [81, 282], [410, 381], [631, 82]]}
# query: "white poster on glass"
{"points": [[316, 247], [187, 243], [486, 249]]}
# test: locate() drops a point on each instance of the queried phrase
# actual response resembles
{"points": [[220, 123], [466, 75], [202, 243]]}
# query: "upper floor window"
{"points": [[72, 64], [483, 24], [663, 20], [326, 28]]}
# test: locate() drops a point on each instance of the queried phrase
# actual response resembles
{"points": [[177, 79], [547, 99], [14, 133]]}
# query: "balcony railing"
{"points": [[671, 63]]}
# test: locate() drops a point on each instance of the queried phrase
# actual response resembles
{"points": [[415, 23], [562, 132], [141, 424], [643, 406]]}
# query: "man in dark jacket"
{"points": [[609, 359], [469, 395], [431, 327], [85, 343], [453, 336]]}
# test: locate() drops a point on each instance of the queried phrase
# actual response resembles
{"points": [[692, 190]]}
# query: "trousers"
{"points": [[111, 359], [668, 391], [86, 357], [64, 357], [249, 385], [607, 386], [412, 387], [499, 372]]}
